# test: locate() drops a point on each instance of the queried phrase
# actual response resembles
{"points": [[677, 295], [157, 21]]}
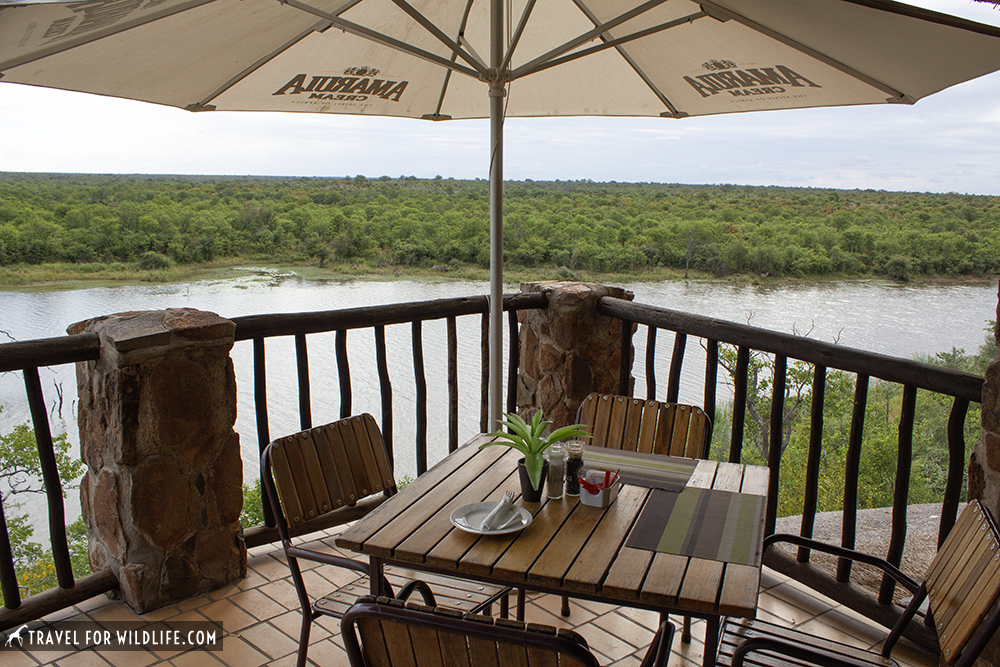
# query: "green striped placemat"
{"points": [[702, 523], [653, 471]]}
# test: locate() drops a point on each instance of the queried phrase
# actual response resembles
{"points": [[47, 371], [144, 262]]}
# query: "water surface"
{"points": [[896, 320]]}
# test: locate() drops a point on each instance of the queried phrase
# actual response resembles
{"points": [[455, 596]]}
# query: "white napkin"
{"points": [[503, 515]]}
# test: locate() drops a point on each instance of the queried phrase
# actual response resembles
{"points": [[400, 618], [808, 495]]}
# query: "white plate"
{"points": [[470, 519]]}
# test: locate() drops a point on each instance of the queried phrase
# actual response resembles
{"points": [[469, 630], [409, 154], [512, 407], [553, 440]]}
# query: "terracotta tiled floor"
{"points": [[261, 617]]}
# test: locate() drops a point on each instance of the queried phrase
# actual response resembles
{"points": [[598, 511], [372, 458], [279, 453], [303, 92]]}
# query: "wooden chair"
{"points": [[314, 473], [383, 632], [649, 427], [962, 585]]}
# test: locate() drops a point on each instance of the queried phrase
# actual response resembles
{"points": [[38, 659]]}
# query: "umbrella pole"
{"points": [[496, 213]]}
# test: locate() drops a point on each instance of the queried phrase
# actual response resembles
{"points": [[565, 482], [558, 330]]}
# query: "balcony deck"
{"points": [[261, 617]]}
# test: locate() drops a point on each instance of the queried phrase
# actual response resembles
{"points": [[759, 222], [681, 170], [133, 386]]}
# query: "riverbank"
{"points": [[45, 277]]}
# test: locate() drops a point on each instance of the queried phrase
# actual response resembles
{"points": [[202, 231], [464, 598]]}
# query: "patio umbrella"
{"points": [[454, 59]]}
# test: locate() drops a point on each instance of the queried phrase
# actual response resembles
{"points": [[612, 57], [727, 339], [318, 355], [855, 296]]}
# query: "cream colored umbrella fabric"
{"points": [[429, 58], [453, 59]]}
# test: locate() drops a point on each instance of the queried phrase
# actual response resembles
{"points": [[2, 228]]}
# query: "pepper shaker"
{"points": [[556, 456], [574, 464]]}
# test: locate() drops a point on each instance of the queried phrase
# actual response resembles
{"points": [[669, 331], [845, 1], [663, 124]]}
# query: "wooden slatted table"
{"points": [[568, 548]]}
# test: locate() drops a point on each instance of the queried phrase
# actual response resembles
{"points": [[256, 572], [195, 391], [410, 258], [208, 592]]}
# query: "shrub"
{"points": [[898, 268], [253, 512], [154, 261]]}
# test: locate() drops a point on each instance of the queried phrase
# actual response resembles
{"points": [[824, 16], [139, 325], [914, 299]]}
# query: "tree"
{"points": [[21, 473], [760, 376], [20, 469], [876, 476]]}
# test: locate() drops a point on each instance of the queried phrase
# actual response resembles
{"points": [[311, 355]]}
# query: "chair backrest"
{"points": [[383, 632], [651, 427], [328, 467], [963, 582]]}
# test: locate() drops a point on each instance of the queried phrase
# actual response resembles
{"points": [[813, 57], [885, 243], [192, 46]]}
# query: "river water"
{"points": [[896, 320]]}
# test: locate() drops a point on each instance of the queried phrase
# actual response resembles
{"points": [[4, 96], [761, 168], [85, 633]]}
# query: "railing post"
{"points": [[162, 493], [568, 349]]}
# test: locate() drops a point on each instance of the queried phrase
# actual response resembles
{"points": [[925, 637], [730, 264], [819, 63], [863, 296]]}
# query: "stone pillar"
{"points": [[163, 491], [568, 350], [984, 466]]}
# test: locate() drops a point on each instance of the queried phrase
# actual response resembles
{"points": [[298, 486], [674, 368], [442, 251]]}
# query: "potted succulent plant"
{"points": [[530, 440]]}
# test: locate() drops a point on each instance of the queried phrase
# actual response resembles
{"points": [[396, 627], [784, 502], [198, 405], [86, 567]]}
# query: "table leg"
{"points": [[711, 641], [375, 576]]}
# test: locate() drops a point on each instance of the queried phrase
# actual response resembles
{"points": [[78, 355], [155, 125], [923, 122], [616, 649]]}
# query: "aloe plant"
{"points": [[529, 439]]}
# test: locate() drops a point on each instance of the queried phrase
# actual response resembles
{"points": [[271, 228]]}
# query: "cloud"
{"points": [[946, 142]]}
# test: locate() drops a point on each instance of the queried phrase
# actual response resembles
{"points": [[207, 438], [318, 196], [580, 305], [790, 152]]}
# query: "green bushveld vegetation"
{"points": [[20, 472], [152, 227], [877, 474], [54, 226]]}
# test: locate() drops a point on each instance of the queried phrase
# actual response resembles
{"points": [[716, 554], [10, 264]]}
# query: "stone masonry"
{"points": [[984, 466], [163, 491], [567, 350]]}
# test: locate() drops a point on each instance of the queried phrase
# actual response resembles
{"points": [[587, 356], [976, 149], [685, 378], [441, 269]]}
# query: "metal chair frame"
{"points": [[466, 640], [312, 485], [962, 586]]}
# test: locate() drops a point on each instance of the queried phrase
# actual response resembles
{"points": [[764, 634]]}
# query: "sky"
{"points": [[948, 142]]}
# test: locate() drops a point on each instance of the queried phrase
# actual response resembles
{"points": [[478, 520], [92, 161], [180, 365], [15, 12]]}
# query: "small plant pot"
{"points": [[530, 494]]}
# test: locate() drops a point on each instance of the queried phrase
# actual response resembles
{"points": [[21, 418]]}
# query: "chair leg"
{"points": [[686, 631], [564, 609], [520, 604], [505, 606], [307, 619]]}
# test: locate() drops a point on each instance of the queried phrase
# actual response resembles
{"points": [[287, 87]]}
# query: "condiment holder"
{"points": [[599, 488]]}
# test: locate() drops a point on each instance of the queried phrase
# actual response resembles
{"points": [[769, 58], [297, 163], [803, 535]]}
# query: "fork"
{"points": [[509, 496]]}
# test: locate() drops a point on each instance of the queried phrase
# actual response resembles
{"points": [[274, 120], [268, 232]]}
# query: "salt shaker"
{"points": [[574, 464], [556, 456]]}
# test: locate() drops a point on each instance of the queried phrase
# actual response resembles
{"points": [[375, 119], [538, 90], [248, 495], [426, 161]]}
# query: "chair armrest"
{"points": [[906, 582], [329, 559], [796, 651], [658, 653]]}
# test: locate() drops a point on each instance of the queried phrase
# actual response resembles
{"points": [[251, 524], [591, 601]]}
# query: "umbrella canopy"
{"points": [[454, 59], [430, 58]]}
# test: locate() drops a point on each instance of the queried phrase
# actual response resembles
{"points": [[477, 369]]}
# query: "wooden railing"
{"points": [[27, 357], [963, 388], [259, 328]]}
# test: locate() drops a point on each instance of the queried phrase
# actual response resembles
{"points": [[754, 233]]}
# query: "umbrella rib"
{"points": [[928, 15], [437, 115], [516, 37], [589, 36], [615, 43], [204, 105], [429, 26], [98, 34], [385, 40], [672, 111], [723, 14]]}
